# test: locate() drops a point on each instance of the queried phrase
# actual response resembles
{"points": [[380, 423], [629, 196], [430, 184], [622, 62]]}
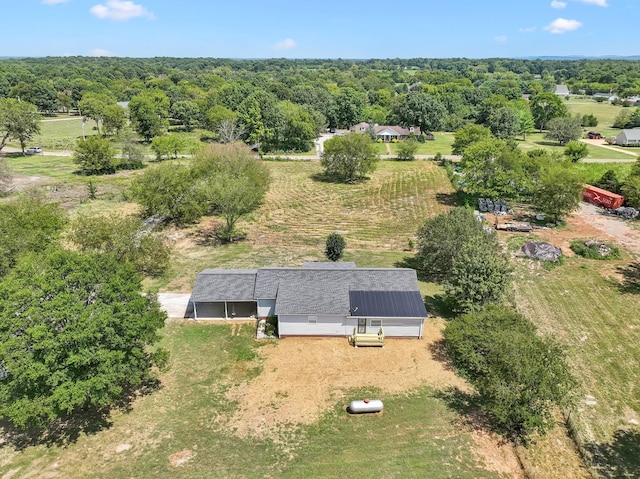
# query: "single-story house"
{"points": [[628, 137], [562, 90], [388, 133], [319, 299]]}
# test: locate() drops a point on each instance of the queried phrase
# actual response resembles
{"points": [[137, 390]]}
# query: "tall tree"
{"points": [[74, 335], [96, 155], [521, 378], [19, 120], [545, 106], [558, 192], [349, 106], [563, 130], [149, 112], [468, 135], [93, 105], [421, 109], [525, 122], [503, 123], [350, 157]]}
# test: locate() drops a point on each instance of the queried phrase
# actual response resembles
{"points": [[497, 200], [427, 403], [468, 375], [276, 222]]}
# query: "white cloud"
{"points": [[99, 52], [600, 3], [120, 10], [501, 39], [558, 4], [562, 25], [54, 2], [286, 44], [528, 30]]}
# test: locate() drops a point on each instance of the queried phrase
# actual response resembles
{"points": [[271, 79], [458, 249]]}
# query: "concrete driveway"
{"points": [[175, 304]]}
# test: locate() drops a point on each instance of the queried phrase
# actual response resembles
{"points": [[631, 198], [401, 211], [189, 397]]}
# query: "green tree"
{"points": [[298, 128], [503, 123], [334, 247], [27, 224], [557, 193], [74, 336], [95, 155], [216, 115], [114, 119], [589, 119], [610, 182], [545, 106], [131, 152], [187, 113], [167, 146], [576, 150], [125, 237], [631, 191], [170, 192], [149, 112], [19, 120], [93, 106], [350, 157], [6, 178], [563, 130], [520, 377], [467, 136], [349, 106], [417, 108], [623, 119], [236, 183], [441, 238], [525, 122], [479, 275], [406, 149], [375, 114]]}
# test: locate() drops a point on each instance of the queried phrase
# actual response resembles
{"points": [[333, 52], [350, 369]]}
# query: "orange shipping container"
{"points": [[601, 197]]}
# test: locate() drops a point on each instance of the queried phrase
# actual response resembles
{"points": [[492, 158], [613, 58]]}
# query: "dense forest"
{"points": [[282, 104]]}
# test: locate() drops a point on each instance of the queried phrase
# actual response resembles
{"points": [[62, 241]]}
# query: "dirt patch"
{"points": [[497, 456], [298, 393], [181, 458]]}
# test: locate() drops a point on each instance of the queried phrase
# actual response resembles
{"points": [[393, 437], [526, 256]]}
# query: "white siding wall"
{"points": [[290, 325], [266, 308], [344, 326]]}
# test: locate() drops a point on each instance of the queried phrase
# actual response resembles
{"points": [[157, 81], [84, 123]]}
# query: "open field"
{"points": [[537, 140], [192, 426], [605, 112]]}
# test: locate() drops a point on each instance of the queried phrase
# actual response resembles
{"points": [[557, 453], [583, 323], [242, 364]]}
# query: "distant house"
{"points": [[594, 135], [123, 104], [628, 137], [562, 90], [319, 299], [604, 96], [388, 133]]}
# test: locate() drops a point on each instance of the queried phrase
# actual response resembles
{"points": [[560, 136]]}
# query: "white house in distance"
{"points": [[628, 137], [388, 133], [562, 90], [319, 299]]}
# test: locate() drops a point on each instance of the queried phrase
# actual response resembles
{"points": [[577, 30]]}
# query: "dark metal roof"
{"points": [[225, 285], [387, 304]]}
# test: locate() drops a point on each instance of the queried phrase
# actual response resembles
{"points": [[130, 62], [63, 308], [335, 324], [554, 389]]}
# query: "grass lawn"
{"points": [[581, 306], [605, 112], [62, 133], [184, 429], [537, 140], [59, 167], [592, 172], [441, 144]]}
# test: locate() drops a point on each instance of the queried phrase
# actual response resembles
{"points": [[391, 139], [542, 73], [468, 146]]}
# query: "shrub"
{"points": [[594, 249], [334, 247]]}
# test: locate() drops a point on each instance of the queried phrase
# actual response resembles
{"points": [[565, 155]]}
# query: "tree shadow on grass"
{"points": [[68, 429], [323, 177], [618, 459], [631, 278]]}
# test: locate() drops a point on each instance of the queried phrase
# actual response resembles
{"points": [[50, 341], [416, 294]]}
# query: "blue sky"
{"points": [[304, 29]]}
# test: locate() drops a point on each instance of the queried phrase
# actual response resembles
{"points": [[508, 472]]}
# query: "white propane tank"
{"points": [[365, 405]]}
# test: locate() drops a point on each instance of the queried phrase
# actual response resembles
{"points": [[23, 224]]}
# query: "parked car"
{"points": [[33, 150]]}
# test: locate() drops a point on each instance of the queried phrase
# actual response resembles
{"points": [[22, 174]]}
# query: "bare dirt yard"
{"points": [[303, 377]]}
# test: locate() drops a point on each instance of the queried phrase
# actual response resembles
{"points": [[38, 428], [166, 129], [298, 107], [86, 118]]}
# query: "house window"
{"points": [[313, 319], [376, 323]]}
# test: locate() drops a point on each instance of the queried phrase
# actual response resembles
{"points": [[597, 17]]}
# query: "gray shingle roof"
{"points": [[308, 291], [314, 289], [631, 133], [225, 285], [329, 265]]}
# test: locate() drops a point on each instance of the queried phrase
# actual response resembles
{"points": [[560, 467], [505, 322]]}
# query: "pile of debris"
{"points": [[541, 250], [626, 212], [498, 207], [599, 247]]}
